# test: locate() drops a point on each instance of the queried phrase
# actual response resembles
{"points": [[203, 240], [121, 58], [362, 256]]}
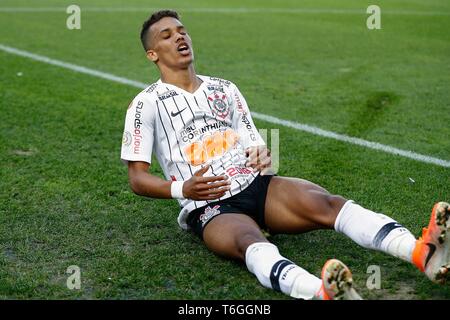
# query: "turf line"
{"points": [[256, 115]]}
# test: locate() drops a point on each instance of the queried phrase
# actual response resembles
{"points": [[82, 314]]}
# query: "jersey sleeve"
{"points": [[242, 121], [138, 134]]}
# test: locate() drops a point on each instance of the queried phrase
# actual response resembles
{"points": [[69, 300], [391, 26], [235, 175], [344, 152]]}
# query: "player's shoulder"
{"points": [[150, 92], [146, 97], [211, 80]]}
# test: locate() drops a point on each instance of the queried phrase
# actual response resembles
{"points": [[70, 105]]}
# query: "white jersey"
{"points": [[187, 130]]}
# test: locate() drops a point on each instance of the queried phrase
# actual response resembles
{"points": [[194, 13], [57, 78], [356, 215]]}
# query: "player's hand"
{"points": [[199, 187], [258, 158]]}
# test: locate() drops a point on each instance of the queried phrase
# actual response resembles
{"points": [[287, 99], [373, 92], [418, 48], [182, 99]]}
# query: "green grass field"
{"points": [[64, 194]]}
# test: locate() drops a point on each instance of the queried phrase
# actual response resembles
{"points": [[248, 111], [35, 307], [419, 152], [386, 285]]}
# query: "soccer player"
{"points": [[217, 165]]}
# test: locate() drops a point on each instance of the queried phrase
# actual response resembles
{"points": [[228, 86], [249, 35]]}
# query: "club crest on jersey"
{"points": [[209, 213], [219, 102]]}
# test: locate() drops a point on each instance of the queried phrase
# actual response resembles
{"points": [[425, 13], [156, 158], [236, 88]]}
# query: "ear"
{"points": [[152, 55]]}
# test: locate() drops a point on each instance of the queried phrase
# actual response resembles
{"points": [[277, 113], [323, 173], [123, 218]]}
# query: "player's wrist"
{"points": [[176, 189]]}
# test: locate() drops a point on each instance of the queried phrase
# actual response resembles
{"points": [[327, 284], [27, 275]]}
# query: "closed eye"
{"points": [[182, 30]]}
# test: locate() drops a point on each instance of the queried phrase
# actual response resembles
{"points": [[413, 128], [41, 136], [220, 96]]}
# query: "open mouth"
{"points": [[183, 48]]}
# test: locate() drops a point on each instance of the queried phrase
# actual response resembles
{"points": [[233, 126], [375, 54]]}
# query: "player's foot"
{"points": [[431, 253], [337, 282]]}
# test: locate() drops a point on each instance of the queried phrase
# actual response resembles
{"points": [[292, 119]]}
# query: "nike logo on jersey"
{"points": [[430, 253], [174, 114]]}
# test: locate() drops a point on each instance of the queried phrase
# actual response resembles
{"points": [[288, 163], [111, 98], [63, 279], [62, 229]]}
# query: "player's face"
{"points": [[170, 44]]}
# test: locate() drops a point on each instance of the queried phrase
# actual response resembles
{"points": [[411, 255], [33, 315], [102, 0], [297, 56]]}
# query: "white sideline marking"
{"points": [[227, 10], [352, 140], [256, 115], [73, 67]]}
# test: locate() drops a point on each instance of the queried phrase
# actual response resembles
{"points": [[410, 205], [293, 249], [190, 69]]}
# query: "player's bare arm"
{"points": [[198, 187]]}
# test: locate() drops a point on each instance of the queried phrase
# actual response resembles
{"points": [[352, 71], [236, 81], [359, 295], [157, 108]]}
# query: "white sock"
{"points": [[375, 231], [274, 271]]}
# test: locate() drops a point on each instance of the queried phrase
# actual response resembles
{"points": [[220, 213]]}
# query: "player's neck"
{"points": [[185, 79]]}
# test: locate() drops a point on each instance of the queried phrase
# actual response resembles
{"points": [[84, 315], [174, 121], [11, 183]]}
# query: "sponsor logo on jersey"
{"points": [[210, 146], [233, 171], [223, 82], [126, 139], [191, 132], [167, 94], [209, 213], [219, 104], [216, 87], [249, 127], [239, 105], [137, 136], [151, 88]]}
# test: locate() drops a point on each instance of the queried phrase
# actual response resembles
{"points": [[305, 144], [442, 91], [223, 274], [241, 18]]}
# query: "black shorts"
{"points": [[251, 202]]}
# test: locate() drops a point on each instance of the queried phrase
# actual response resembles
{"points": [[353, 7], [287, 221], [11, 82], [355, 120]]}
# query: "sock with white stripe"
{"points": [[276, 272], [375, 231]]}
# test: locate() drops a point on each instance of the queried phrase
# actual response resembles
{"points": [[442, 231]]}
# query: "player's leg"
{"points": [[238, 236], [229, 235], [430, 254], [295, 205]]}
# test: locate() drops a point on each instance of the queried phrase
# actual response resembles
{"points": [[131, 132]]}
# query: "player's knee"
{"points": [[334, 204]]}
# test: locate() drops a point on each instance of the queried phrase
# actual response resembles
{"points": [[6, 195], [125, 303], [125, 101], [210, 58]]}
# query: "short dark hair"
{"points": [[155, 17]]}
